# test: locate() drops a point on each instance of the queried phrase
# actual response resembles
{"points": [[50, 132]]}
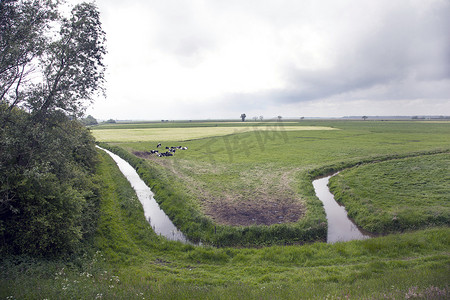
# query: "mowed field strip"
{"points": [[184, 134]]}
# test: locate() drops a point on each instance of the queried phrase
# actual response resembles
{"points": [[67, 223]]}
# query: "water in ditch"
{"points": [[159, 221], [340, 227]]}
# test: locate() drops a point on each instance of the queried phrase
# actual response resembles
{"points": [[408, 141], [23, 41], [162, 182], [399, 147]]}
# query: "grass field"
{"points": [[262, 176], [130, 262], [185, 134], [260, 172]]}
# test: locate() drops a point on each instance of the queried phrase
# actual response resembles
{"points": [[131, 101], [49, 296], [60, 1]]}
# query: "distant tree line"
{"points": [[50, 69], [429, 117], [89, 121]]}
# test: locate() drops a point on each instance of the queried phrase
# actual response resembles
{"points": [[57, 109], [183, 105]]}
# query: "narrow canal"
{"points": [[340, 227], [159, 221]]}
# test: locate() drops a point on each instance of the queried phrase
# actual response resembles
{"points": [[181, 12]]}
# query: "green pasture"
{"points": [[129, 261], [398, 194], [265, 166]]}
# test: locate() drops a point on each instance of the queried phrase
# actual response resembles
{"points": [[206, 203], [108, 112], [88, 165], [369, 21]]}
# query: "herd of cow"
{"points": [[170, 151]]}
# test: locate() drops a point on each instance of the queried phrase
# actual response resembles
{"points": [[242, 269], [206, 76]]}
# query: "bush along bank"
{"points": [[185, 213], [49, 192]]}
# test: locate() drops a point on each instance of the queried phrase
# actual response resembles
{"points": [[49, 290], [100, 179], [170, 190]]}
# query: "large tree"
{"points": [[49, 62], [50, 68]]}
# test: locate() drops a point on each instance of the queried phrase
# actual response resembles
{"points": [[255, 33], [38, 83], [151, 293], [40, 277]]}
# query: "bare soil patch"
{"points": [[262, 212], [142, 154]]}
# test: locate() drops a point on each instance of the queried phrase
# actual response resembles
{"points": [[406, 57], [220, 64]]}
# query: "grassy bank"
{"points": [[130, 261], [397, 195]]}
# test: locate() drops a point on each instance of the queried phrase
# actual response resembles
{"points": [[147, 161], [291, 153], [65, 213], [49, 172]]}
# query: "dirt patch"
{"points": [[266, 212], [142, 154]]}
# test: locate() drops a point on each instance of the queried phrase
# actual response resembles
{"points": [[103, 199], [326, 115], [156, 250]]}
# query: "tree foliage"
{"points": [[50, 68], [46, 68], [22, 42], [88, 121]]}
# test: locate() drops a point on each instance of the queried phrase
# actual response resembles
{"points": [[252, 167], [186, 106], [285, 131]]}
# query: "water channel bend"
{"points": [[340, 227]]}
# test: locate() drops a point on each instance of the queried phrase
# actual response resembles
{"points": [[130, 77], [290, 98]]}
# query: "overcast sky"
{"points": [[212, 59]]}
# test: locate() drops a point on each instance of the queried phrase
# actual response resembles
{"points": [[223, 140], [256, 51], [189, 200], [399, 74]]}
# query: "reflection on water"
{"points": [[340, 227], [159, 221]]}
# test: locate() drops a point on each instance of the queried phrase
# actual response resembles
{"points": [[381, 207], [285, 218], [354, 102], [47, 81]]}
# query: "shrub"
{"points": [[48, 191]]}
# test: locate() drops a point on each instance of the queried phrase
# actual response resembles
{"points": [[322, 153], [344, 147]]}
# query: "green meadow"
{"points": [[253, 186], [397, 195], [229, 190]]}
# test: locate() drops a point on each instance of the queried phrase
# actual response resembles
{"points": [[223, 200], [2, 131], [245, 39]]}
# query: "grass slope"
{"points": [[131, 262]]}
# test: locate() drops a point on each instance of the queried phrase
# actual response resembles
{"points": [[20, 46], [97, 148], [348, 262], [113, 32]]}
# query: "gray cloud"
{"points": [[406, 47], [197, 57]]}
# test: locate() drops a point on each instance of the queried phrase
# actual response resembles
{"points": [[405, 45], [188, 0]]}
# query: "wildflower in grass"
{"points": [[413, 293], [429, 293]]}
